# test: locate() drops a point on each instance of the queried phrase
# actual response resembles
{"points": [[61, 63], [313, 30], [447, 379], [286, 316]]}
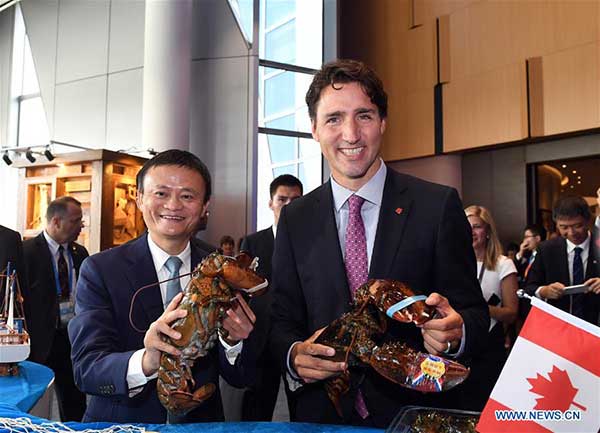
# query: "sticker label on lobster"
{"points": [[432, 369]]}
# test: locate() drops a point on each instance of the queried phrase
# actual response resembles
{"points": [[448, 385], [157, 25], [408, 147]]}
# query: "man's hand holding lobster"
{"points": [[443, 333], [154, 342], [309, 366], [238, 322]]}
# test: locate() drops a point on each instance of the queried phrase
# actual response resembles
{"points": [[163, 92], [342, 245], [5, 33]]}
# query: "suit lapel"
{"points": [[327, 244], [593, 268], [395, 209], [141, 272]]}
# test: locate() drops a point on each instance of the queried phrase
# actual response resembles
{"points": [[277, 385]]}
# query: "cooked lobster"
{"points": [[210, 293]]}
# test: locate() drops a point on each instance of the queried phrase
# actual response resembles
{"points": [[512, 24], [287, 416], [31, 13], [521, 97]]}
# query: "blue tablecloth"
{"points": [[8, 411], [23, 391]]}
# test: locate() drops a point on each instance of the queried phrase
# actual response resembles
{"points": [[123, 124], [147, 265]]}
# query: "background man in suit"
{"points": [[112, 360], [367, 221], [52, 260], [533, 236], [11, 250], [568, 260], [259, 400]]}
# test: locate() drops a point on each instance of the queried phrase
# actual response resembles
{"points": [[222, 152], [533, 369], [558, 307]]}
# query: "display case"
{"points": [[102, 180]]}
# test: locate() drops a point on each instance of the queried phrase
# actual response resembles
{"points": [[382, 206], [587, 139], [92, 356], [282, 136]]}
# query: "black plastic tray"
{"points": [[405, 419]]}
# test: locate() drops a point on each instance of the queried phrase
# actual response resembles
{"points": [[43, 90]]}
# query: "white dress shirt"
{"points": [[135, 374]]}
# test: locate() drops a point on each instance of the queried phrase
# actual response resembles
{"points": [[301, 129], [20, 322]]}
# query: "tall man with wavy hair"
{"points": [[367, 221]]}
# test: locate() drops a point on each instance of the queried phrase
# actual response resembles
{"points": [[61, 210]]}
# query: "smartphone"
{"points": [[573, 290]]}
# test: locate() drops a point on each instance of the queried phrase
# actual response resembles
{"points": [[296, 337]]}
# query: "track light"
{"points": [[29, 155], [48, 154], [6, 158]]}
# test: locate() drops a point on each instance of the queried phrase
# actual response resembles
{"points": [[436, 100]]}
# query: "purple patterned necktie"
{"points": [[356, 246], [357, 267]]}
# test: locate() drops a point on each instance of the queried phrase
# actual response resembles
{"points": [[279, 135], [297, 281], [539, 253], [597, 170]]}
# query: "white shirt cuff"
{"points": [[537, 293], [461, 348], [231, 352], [136, 378], [294, 381]]}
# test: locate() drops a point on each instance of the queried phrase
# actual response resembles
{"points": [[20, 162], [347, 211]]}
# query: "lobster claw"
{"points": [[416, 370]]}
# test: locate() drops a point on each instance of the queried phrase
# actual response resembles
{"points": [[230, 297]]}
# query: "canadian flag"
{"points": [[554, 367]]}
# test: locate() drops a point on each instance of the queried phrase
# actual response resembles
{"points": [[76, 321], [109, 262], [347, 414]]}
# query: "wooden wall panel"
{"points": [[570, 91], [492, 34], [410, 131], [485, 109]]}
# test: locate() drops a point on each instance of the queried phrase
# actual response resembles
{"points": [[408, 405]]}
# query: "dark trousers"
{"points": [[71, 401], [259, 400]]}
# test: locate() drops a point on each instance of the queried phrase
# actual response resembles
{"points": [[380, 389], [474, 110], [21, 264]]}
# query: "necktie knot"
{"points": [[173, 264], [355, 203], [578, 251]]}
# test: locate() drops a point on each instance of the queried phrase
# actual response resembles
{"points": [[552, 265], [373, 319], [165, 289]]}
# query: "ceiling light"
{"points": [[574, 171], [6, 158], [29, 155], [564, 166], [48, 154]]}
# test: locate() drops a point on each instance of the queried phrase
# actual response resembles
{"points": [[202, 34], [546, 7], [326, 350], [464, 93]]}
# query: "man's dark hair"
{"points": [[571, 206], [179, 158], [285, 180], [346, 71], [60, 206], [536, 230], [226, 240]]}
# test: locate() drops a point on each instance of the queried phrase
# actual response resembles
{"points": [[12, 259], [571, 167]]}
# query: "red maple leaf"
{"points": [[557, 393]]}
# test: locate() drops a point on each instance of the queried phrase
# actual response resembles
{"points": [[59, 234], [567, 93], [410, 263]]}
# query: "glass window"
{"points": [[280, 43], [279, 93], [33, 129], [286, 169], [277, 11], [243, 10], [30, 81], [282, 148]]}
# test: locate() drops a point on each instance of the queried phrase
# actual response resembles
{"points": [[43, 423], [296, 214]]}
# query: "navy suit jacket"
{"points": [[103, 339], [423, 239], [11, 250]]}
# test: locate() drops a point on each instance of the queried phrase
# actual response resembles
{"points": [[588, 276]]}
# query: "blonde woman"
{"points": [[497, 276]]}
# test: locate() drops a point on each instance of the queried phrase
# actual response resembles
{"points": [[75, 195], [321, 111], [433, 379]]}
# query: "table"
{"points": [[26, 389], [8, 411]]}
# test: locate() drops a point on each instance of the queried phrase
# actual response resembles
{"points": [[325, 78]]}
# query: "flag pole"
{"points": [[522, 294]]}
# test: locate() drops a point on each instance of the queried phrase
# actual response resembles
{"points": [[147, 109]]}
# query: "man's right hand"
{"points": [[552, 291], [305, 360], [153, 341], [523, 248]]}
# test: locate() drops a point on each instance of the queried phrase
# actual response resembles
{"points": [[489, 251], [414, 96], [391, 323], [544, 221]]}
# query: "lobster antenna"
{"points": [[138, 291]]}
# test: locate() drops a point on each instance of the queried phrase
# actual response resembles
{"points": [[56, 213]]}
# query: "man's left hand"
{"points": [[594, 285], [446, 328], [239, 321]]}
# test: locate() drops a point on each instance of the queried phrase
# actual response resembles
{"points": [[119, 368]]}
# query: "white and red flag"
{"points": [[551, 380]]}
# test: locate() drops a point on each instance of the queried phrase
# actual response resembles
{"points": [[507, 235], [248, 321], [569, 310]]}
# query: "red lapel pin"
{"points": [[399, 210]]}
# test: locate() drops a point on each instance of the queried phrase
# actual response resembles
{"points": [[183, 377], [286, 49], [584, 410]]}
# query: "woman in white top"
{"points": [[497, 276]]}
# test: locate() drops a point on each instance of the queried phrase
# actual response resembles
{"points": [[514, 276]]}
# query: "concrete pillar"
{"points": [[167, 70]]}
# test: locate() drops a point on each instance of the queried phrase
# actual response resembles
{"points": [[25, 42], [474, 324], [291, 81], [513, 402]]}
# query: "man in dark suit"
{"points": [[367, 221], [568, 260], [52, 261], [259, 400], [11, 251], [114, 362]]}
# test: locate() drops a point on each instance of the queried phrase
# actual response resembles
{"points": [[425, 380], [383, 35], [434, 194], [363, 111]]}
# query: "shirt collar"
{"points": [[53, 245], [584, 245], [160, 256], [372, 191], [274, 227]]}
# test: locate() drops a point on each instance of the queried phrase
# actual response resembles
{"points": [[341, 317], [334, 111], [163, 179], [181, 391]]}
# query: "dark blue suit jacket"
{"points": [[103, 339]]}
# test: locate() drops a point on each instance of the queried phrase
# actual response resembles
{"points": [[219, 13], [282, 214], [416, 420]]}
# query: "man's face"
{"points": [[574, 229], [69, 226], [283, 196], [349, 129], [532, 241], [171, 202]]}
